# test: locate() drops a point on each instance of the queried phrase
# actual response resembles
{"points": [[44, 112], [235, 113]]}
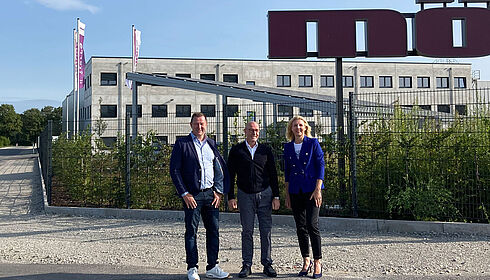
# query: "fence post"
{"points": [[50, 160], [340, 130], [353, 156], [225, 127], [128, 161]]}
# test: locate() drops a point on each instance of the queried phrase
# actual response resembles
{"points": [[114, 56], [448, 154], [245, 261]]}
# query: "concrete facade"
{"points": [[105, 85]]}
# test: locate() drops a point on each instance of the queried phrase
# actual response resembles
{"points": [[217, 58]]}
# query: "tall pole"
{"points": [[134, 85], [340, 129], [452, 108]]}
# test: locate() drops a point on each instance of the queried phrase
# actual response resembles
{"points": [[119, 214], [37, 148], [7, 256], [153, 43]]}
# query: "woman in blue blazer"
{"points": [[304, 169]]}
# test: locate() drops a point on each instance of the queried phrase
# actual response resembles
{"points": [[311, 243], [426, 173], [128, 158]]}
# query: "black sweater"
{"points": [[252, 176]]}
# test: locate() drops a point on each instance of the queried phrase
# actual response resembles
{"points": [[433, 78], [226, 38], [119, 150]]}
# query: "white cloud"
{"points": [[64, 5]]}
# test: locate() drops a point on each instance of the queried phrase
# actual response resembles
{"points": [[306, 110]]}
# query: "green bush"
{"points": [[4, 141]]}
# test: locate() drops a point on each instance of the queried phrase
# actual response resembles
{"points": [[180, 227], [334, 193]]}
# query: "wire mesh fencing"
{"points": [[421, 155]]}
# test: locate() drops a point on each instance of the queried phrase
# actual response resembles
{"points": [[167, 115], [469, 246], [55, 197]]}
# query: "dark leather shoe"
{"points": [[246, 271], [269, 271]]}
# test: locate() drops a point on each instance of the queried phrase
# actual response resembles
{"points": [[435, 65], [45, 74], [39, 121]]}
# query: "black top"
{"points": [[252, 176]]}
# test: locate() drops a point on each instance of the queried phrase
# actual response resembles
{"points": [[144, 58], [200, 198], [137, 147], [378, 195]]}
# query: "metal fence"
{"points": [[420, 155]]}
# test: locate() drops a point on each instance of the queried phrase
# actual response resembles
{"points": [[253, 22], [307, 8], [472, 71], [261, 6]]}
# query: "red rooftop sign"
{"points": [[386, 34]]}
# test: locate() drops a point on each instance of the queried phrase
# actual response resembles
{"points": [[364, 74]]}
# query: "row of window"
{"points": [[368, 81], [182, 111], [110, 79]]}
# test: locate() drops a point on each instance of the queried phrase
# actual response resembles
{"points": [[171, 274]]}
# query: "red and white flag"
{"points": [[81, 55], [136, 42]]}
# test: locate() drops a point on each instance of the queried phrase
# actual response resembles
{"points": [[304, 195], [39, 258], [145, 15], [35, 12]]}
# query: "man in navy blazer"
{"points": [[200, 177]]}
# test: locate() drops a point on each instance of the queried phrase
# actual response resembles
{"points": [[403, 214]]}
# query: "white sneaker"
{"points": [[217, 272], [192, 274]]}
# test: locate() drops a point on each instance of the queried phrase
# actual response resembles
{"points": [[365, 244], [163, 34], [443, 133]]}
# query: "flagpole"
{"points": [[134, 88]]}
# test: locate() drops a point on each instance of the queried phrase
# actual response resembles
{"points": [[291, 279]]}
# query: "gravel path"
{"points": [[28, 237]]}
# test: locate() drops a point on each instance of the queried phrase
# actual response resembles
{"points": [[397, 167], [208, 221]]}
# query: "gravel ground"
{"points": [[158, 244], [28, 237]]}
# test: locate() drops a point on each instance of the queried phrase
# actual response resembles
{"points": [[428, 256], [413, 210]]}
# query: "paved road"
{"points": [[36, 246]]}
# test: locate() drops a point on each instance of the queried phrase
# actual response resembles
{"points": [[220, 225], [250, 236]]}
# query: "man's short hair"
{"points": [[198, 115]]}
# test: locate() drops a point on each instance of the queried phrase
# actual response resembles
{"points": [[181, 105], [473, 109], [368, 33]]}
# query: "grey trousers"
{"points": [[259, 204]]}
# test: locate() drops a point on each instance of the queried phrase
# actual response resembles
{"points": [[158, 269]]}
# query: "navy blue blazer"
{"points": [[185, 169], [302, 173]]}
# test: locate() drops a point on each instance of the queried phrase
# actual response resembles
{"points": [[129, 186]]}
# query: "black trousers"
{"points": [[306, 217]]}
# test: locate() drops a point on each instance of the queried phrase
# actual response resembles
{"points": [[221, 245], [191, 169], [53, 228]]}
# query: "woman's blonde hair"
{"points": [[289, 130]]}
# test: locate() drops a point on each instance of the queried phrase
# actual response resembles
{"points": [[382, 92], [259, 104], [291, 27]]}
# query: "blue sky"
{"points": [[36, 49]]}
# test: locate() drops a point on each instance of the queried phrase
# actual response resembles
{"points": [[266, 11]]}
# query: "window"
{"points": [[306, 112], [423, 82], [305, 81], [108, 79], [385, 82], [443, 108], [283, 80], [209, 77], [284, 111], [108, 111], [405, 82], [182, 111], [230, 78], [159, 111], [461, 109], [425, 107], [231, 110], [347, 81], [109, 141], [250, 116], [183, 75], [367, 81], [88, 81], [312, 125], [460, 82], [159, 74], [129, 108], [442, 82], [250, 83], [208, 110], [163, 139], [326, 81]]}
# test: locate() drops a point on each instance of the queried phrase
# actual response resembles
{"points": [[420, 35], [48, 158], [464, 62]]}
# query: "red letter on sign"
{"points": [[434, 34], [386, 33]]}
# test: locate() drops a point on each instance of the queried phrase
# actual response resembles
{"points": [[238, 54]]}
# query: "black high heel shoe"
{"points": [[319, 275], [308, 270]]}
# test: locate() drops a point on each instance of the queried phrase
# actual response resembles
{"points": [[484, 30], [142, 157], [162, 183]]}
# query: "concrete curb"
{"points": [[326, 223]]}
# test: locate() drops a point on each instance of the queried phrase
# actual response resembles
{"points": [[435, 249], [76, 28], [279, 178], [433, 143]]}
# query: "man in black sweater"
{"points": [[253, 166]]}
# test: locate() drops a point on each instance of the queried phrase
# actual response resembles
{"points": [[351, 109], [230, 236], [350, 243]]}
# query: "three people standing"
{"points": [[201, 176]]}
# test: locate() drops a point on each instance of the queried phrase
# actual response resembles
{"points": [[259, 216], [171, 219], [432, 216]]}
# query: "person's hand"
{"points": [[217, 199], [288, 201], [189, 200], [317, 196], [232, 204], [276, 203]]}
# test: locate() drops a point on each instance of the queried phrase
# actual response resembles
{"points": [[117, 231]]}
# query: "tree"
{"points": [[10, 122], [33, 121], [54, 114]]}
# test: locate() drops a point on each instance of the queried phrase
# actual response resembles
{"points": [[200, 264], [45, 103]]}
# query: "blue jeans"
{"points": [[210, 218]]}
